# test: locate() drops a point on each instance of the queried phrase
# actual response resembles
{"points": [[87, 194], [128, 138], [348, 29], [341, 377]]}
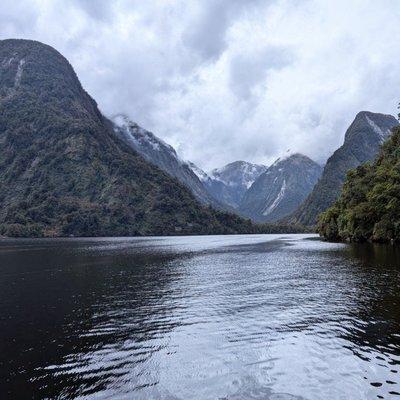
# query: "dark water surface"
{"points": [[277, 317]]}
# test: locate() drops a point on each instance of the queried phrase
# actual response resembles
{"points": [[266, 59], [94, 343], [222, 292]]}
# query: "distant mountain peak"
{"points": [[238, 173], [159, 153], [291, 158], [371, 114], [362, 142], [228, 183], [372, 124], [281, 188], [65, 169]]}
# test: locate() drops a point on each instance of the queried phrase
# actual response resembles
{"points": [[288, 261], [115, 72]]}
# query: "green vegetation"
{"points": [[369, 206], [362, 143], [64, 172]]}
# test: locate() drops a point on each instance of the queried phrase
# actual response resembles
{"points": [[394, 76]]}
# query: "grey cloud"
{"points": [[101, 10], [207, 33], [246, 71], [224, 80], [16, 17]]}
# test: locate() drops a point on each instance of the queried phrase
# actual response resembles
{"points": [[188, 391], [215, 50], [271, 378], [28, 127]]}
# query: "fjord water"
{"points": [[214, 317]]}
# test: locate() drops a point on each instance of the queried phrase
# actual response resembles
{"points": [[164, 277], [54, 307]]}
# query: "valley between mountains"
{"points": [[68, 170]]}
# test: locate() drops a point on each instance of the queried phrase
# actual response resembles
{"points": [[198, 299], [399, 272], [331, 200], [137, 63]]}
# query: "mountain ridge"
{"points": [[229, 183], [361, 143], [279, 190], [64, 171], [163, 155], [368, 207]]}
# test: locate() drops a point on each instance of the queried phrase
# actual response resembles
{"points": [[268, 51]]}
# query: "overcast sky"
{"points": [[225, 80]]}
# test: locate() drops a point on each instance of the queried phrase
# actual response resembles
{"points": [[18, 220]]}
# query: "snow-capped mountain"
{"points": [[279, 190], [161, 154], [362, 142], [238, 173], [229, 183]]}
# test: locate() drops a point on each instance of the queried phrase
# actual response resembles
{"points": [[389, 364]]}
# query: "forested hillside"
{"points": [[64, 171], [369, 206], [362, 142]]}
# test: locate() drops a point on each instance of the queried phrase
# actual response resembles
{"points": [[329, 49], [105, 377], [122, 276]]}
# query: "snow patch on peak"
{"points": [[379, 131], [238, 173], [198, 171], [248, 183], [251, 173]]}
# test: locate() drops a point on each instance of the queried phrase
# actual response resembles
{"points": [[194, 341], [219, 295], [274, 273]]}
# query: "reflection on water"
{"points": [[272, 317]]}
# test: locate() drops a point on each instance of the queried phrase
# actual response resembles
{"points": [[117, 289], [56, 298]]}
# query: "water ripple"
{"points": [[240, 317]]}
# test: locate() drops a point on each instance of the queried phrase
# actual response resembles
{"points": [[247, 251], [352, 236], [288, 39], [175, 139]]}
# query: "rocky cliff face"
{"points": [[362, 142], [64, 171], [280, 189], [161, 154]]}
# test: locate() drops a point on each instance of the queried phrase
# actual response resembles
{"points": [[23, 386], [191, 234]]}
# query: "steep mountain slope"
{"points": [[64, 171], [369, 205], [203, 176], [280, 189], [362, 142], [161, 154], [229, 183]]}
